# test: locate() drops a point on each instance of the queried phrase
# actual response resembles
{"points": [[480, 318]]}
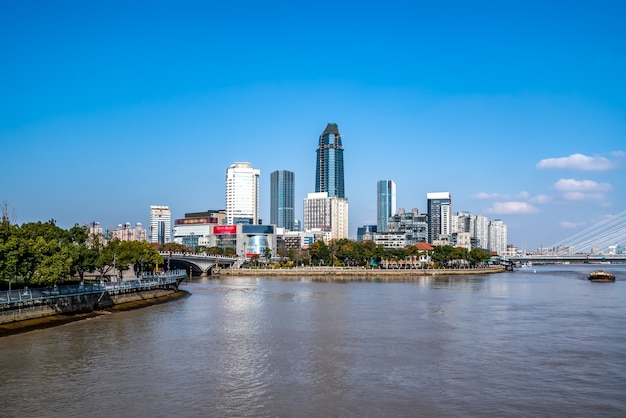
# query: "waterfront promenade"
{"points": [[345, 272], [27, 309]]}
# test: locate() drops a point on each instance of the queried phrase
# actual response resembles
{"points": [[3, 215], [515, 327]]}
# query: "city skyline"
{"points": [[518, 110]]}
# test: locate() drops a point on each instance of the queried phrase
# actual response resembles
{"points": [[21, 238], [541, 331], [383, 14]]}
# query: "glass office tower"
{"points": [[329, 168], [282, 196], [385, 203]]}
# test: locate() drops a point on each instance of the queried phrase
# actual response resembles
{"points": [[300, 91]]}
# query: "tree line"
{"points": [[43, 254], [345, 252]]}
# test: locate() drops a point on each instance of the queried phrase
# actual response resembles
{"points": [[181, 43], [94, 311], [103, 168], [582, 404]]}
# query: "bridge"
{"points": [[200, 264], [598, 238], [567, 259], [604, 242]]}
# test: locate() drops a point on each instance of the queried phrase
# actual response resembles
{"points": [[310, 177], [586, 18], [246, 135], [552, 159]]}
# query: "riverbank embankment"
{"points": [[28, 317], [339, 273], [26, 309]]}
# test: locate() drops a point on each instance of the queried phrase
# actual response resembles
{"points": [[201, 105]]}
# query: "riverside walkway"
{"points": [[148, 281], [357, 271]]}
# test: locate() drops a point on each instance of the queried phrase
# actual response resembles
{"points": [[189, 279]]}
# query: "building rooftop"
{"points": [[424, 246], [331, 128]]}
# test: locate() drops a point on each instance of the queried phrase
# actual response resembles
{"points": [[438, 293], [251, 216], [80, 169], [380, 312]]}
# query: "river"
{"points": [[542, 341]]}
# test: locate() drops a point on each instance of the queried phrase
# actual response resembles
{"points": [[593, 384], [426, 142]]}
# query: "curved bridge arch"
{"points": [[200, 264]]}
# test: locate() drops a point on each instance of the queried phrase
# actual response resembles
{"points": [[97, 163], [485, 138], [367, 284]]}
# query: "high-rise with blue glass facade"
{"points": [[282, 196], [329, 168], [385, 203]]}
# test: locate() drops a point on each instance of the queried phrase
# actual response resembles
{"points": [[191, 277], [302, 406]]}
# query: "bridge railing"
{"points": [[37, 294], [166, 254]]}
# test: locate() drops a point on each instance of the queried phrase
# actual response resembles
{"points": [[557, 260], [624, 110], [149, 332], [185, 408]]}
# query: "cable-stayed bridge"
{"points": [[601, 238], [602, 242]]}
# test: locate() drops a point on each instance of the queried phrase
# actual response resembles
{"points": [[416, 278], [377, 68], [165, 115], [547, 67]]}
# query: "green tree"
{"points": [[267, 253], [319, 253], [8, 246], [106, 260], [442, 254], [37, 242], [85, 257], [215, 251], [54, 267], [478, 256], [172, 246], [139, 255]]}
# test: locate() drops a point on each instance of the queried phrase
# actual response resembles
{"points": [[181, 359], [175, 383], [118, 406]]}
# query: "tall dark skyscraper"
{"points": [[282, 195], [329, 168]]}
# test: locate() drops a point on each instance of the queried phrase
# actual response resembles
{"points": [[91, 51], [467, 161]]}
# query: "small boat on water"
{"points": [[601, 276]]}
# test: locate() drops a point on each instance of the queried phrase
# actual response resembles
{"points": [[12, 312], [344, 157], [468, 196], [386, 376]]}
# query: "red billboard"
{"points": [[225, 229]]}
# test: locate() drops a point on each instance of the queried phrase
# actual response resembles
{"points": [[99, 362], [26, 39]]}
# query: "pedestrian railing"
{"points": [[147, 281]]}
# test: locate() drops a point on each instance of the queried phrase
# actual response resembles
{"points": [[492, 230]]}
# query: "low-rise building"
{"points": [[413, 224], [127, 233], [245, 239]]}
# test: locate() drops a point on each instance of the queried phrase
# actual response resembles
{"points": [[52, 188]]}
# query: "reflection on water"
{"points": [[537, 342]]}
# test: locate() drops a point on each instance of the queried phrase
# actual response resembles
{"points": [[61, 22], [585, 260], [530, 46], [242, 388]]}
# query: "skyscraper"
{"points": [[385, 203], [282, 196], [242, 194], [160, 224], [439, 215], [329, 168]]}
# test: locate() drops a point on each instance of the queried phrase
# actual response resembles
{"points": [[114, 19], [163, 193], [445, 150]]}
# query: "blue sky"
{"points": [[516, 108]]}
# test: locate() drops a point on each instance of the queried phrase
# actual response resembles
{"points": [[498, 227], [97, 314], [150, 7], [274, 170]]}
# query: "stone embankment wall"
{"points": [[77, 304], [340, 272]]}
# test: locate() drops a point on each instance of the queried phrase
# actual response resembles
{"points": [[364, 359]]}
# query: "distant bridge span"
{"points": [[595, 239], [574, 258], [199, 263]]}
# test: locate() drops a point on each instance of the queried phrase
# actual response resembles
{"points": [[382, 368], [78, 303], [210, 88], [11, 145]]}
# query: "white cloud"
{"points": [[582, 186], [510, 208], [523, 195], [571, 189], [578, 162], [492, 196]]}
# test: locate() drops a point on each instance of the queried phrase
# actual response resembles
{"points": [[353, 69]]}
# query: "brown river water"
{"points": [[542, 342]]}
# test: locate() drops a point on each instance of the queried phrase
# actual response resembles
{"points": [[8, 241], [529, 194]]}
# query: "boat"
{"points": [[601, 276]]}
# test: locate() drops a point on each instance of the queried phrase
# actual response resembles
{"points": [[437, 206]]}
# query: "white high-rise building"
{"points": [[329, 214], [479, 228], [497, 237], [160, 224], [242, 194]]}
